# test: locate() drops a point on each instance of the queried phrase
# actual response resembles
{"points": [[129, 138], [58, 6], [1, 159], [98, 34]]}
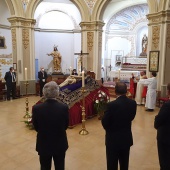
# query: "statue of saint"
{"points": [[144, 43], [56, 59]]}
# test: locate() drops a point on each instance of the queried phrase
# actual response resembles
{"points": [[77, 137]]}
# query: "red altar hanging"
{"points": [[75, 112]]}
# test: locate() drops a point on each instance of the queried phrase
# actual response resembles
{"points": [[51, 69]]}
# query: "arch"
{"points": [[128, 18], [153, 6], [10, 7], [80, 4], [99, 9], [50, 10]]}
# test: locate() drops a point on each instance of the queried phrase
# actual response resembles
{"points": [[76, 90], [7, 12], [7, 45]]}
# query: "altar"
{"points": [[123, 75]]}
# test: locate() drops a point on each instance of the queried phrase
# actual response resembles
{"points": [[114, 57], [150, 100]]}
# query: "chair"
{"points": [[162, 100]]}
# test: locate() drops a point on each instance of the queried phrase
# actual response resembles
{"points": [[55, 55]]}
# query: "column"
{"points": [[23, 46], [159, 40], [92, 43]]}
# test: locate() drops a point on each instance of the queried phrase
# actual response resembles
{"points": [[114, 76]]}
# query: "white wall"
{"points": [[5, 32], [4, 13], [67, 46], [8, 41]]}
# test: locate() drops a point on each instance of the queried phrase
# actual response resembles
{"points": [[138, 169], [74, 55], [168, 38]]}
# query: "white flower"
{"points": [[103, 93], [100, 95], [97, 101], [29, 120]]}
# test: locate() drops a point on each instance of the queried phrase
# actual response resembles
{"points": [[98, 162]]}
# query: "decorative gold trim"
{"points": [[155, 36], [14, 42], [168, 36], [25, 37], [90, 36]]}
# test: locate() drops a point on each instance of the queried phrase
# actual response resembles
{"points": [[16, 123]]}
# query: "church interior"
{"points": [[110, 40]]}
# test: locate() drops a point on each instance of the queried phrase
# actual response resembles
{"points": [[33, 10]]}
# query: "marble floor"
{"points": [[17, 142]]}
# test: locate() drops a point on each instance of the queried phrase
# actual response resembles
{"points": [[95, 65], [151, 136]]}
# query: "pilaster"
{"points": [[23, 46], [92, 34], [159, 34]]}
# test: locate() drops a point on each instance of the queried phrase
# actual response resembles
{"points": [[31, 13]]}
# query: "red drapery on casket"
{"points": [[75, 111]]}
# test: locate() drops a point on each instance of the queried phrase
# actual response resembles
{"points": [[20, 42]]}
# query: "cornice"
{"points": [[159, 18], [5, 27], [21, 22], [57, 30], [92, 26]]}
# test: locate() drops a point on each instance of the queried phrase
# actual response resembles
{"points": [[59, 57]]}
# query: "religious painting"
{"points": [[2, 42], [154, 61]]}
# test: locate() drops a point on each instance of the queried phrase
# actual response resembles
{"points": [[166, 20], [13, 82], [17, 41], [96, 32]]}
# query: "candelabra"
{"points": [[27, 115], [83, 131]]}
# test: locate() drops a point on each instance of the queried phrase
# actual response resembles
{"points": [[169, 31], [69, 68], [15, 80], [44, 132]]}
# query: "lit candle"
{"points": [[70, 70], [82, 78], [25, 74]]}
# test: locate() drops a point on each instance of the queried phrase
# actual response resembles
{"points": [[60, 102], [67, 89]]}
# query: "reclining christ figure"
{"points": [[71, 80]]}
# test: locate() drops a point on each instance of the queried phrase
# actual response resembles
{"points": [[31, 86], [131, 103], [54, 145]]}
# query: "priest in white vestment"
{"points": [[138, 97], [151, 92]]}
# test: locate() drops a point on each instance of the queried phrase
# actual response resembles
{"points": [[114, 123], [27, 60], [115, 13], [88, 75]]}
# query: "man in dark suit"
{"points": [[50, 120], [117, 124], [162, 124], [42, 75], [10, 78]]}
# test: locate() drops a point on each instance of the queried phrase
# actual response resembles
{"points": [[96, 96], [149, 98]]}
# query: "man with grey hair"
{"points": [[50, 120]]}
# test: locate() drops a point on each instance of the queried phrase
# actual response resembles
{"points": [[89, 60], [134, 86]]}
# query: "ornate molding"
{"points": [[22, 22], [92, 26], [158, 18], [90, 36], [76, 26], [168, 36], [14, 42], [155, 36], [128, 19], [25, 37], [90, 4]]}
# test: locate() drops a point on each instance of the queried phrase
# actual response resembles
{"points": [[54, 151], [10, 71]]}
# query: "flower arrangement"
{"points": [[100, 101]]}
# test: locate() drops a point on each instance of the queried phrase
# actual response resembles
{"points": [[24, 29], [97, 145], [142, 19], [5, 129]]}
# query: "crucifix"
{"points": [[81, 59]]}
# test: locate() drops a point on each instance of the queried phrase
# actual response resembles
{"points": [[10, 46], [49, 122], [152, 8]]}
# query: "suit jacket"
{"points": [[8, 78], [117, 122], [50, 120], [40, 76], [162, 123]]}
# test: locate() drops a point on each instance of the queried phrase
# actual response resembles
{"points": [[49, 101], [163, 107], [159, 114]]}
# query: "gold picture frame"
{"points": [[154, 61]]}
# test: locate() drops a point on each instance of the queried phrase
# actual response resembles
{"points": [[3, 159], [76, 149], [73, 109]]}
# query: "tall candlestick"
{"points": [[82, 78], [25, 74]]}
